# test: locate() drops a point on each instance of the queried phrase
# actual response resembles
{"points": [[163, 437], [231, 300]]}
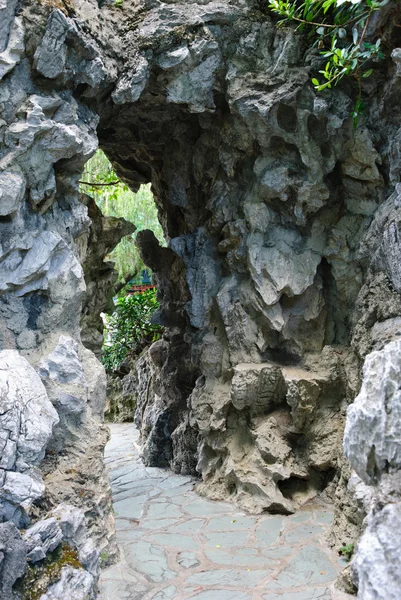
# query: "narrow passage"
{"points": [[175, 545]]}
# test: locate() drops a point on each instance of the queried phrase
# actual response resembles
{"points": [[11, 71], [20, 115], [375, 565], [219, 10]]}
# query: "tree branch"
{"points": [[100, 184], [121, 284]]}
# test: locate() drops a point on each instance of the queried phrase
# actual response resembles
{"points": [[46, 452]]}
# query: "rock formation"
{"points": [[282, 272]]}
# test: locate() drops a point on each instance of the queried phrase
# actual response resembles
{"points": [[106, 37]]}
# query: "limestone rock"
{"points": [[67, 52], [130, 87], [12, 559], [74, 584], [121, 399], [31, 264], [71, 521], [26, 426], [63, 375], [12, 191], [76, 384], [373, 420], [375, 567], [14, 50], [252, 432], [283, 229], [41, 538], [260, 388]]}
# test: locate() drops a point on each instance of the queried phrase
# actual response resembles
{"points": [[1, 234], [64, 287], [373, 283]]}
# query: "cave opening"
{"points": [[131, 300], [115, 199]]}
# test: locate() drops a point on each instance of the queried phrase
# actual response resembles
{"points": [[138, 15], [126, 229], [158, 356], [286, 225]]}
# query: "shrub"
{"points": [[347, 551], [129, 329], [339, 28]]}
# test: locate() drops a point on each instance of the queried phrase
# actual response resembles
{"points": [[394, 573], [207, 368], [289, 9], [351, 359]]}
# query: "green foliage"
{"points": [[115, 199], [129, 329], [104, 558], [338, 28], [118, 3], [347, 551]]}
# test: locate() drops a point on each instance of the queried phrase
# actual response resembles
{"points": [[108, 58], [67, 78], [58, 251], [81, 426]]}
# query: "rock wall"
{"points": [[282, 272]]}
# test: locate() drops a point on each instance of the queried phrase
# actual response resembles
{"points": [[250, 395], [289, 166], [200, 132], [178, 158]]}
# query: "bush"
{"points": [[129, 329], [339, 28]]}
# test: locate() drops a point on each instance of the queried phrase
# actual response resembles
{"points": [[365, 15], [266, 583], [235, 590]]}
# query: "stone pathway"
{"points": [[175, 545]]}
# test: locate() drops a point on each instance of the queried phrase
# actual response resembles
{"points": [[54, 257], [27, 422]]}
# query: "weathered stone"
{"points": [[149, 560], [373, 420], [74, 584], [259, 388], [32, 264], [227, 545], [247, 578], [187, 560], [41, 538], [311, 566], [63, 375], [12, 559], [13, 52], [26, 426], [12, 191], [375, 566], [283, 229], [130, 87], [71, 521]]}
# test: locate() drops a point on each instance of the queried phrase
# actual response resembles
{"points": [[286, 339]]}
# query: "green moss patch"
{"points": [[40, 576]]}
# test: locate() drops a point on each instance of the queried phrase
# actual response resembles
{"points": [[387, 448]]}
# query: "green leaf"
{"points": [[315, 81], [368, 73]]}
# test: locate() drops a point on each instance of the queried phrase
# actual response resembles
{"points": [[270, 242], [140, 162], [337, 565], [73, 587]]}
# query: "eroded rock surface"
{"points": [[12, 558], [371, 445], [282, 271], [26, 426]]}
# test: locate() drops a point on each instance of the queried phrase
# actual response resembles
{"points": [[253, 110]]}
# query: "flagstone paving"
{"points": [[175, 545]]}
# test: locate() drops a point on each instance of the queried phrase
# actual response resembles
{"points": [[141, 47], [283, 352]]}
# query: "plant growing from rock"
{"points": [[339, 29], [40, 576], [347, 551]]}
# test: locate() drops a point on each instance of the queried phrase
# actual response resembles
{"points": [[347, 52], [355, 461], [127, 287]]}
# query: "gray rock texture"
{"points": [[41, 538], [12, 558], [282, 271], [373, 429], [74, 584], [122, 395], [371, 444], [71, 521], [375, 566], [27, 418]]}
